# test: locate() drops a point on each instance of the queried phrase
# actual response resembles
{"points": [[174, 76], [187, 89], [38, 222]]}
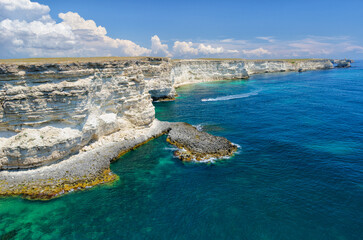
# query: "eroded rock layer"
{"points": [[48, 112]]}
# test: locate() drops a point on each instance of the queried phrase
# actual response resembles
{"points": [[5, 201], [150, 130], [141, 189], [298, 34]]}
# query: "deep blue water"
{"points": [[297, 175]]}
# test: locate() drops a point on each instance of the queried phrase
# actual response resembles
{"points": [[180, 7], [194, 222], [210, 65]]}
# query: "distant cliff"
{"points": [[201, 70]]}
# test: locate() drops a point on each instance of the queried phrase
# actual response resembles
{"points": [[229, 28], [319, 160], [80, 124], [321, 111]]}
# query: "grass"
{"points": [[102, 59], [67, 60], [261, 60]]}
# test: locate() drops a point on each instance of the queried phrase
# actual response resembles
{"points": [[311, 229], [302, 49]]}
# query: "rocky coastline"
{"points": [[87, 169], [63, 122]]}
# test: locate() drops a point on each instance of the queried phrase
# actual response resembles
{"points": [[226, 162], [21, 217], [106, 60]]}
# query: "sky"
{"points": [[182, 29]]}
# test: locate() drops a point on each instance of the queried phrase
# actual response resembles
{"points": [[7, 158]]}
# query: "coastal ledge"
{"points": [[91, 168], [63, 120]]}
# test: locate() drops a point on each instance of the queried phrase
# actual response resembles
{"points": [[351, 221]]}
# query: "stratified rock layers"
{"points": [[51, 112], [55, 116]]}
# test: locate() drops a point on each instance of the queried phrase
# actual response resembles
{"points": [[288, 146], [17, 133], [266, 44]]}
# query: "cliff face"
{"points": [[194, 71], [51, 111], [257, 67]]}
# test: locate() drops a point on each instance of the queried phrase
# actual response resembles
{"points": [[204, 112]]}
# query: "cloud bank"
{"points": [[27, 30]]}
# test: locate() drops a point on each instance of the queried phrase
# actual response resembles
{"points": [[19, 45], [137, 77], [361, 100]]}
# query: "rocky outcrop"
{"points": [[345, 63], [86, 113], [196, 145]]}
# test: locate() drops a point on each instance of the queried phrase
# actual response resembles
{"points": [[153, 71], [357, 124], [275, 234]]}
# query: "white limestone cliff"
{"points": [[195, 71], [49, 112]]}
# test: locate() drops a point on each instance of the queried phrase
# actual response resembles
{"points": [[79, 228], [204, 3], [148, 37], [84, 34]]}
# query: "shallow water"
{"points": [[297, 175]]}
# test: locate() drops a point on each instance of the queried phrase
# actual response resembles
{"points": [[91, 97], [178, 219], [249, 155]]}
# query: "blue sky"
{"points": [[182, 29]]}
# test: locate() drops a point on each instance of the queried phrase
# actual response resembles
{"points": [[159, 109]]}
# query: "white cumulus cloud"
{"points": [[84, 28], [94, 41], [23, 10], [184, 48], [208, 49], [268, 39], [27, 30], [159, 49], [232, 51], [256, 52], [18, 37], [190, 49]]}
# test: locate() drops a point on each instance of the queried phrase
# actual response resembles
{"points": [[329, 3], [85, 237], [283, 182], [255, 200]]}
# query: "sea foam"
{"points": [[199, 127]]}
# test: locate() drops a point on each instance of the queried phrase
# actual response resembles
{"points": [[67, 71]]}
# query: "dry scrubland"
{"points": [[101, 59]]}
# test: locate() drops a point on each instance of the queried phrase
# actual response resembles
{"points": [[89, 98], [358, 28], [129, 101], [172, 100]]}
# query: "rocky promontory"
{"points": [[62, 121]]}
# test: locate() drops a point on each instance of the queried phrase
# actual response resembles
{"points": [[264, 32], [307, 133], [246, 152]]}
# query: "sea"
{"points": [[297, 174]]}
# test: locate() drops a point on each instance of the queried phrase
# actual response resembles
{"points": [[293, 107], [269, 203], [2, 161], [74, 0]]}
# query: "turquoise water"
{"points": [[298, 173]]}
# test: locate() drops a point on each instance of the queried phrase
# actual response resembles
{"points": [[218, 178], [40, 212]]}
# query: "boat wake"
{"points": [[230, 97]]}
